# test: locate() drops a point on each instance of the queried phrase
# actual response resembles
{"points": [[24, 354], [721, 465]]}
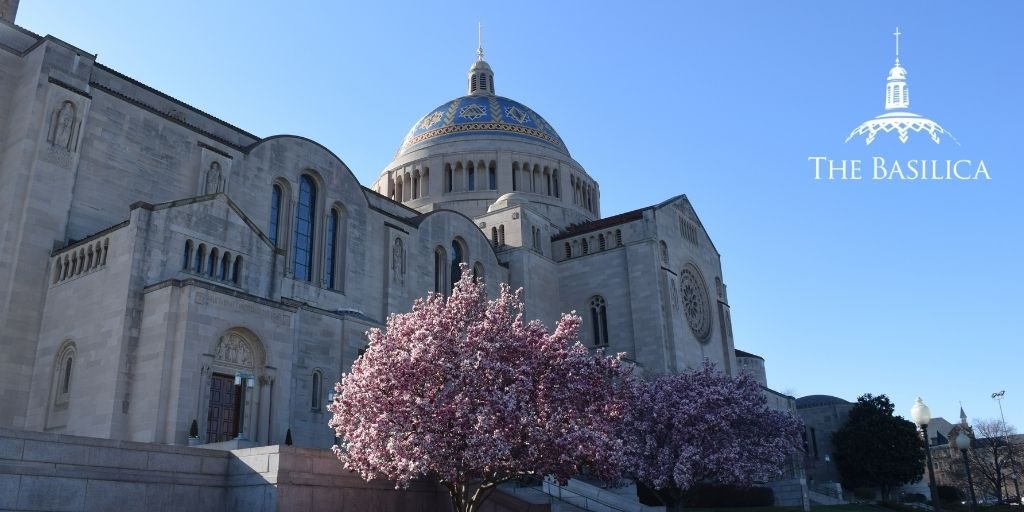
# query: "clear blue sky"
{"points": [[845, 288]]}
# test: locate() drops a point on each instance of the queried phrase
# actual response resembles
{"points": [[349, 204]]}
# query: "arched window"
{"points": [[618, 237], [275, 212], [568, 250], [470, 176], [236, 271], [187, 261], [448, 180], [200, 255], [599, 321], [440, 269], [494, 236], [554, 182], [225, 266], [664, 252], [501, 234], [66, 377], [212, 263], [63, 370], [492, 176], [302, 264], [331, 245], [458, 256], [601, 243], [316, 390], [515, 176], [586, 246], [416, 185]]}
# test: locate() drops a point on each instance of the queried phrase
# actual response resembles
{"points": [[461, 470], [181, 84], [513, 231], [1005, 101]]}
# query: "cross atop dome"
{"points": [[897, 34], [481, 78], [480, 42]]}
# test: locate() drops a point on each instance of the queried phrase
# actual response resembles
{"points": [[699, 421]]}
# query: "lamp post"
{"points": [[245, 381], [963, 443], [921, 415], [998, 397]]}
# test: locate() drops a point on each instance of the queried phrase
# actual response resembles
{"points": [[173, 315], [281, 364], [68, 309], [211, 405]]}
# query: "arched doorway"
{"points": [[232, 402]]}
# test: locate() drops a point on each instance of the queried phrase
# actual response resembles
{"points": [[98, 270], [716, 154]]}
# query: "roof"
{"points": [[806, 402], [742, 353], [598, 224], [481, 115]]}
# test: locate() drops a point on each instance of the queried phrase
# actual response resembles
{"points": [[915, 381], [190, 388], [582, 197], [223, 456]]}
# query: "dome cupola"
{"points": [[897, 93], [481, 78]]}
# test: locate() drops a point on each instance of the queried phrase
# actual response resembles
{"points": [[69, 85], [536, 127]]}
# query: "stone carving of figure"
{"points": [[234, 350], [213, 179], [63, 126], [398, 261], [8, 8]]}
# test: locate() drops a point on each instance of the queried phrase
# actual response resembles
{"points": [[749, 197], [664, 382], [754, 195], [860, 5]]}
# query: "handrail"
{"points": [[586, 499]]}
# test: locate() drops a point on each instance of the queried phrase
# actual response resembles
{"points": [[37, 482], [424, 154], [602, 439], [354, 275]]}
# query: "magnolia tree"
{"points": [[703, 426], [462, 391]]}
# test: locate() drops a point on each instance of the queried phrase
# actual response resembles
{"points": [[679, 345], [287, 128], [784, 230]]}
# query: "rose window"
{"points": [[696, 305]]}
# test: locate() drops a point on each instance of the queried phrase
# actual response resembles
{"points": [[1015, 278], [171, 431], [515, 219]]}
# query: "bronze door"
{"points": [[222, 422]]}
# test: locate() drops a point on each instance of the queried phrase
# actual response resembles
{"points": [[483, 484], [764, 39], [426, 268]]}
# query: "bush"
{"points": [[712, 496], [948, 494], [864, 494], [915, 497], [898, 507]]}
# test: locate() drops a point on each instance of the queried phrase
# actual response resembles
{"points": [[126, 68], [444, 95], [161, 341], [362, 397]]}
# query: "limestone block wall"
{"points": [[678, 241], [43, 108], [44, 471], [606, 274], [86, 311], [213, 223], [52, 472]]}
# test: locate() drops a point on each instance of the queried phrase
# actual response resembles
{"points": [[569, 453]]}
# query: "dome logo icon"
{"points": [[897, 117]]}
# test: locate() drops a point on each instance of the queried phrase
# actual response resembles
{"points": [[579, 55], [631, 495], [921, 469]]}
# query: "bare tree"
{"points": [[994, 457]]}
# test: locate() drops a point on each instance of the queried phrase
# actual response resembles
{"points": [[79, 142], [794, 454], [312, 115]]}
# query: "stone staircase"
{"points": [[594, 498], [826, 494]]}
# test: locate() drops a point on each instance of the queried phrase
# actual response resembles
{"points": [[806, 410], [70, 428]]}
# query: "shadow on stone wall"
{"points": [[42, 471]]}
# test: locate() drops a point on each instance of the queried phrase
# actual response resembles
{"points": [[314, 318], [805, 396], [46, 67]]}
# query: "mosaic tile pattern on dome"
{"points": [[470, 114]]}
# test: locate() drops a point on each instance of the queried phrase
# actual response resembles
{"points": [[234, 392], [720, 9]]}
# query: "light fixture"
{"points": [[920, 413]]}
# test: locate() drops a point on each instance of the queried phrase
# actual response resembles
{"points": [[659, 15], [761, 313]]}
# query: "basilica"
{"points": [[160, 267]]}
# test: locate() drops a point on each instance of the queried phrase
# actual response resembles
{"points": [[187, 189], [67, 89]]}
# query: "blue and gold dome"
{"points": [[481, 114]]}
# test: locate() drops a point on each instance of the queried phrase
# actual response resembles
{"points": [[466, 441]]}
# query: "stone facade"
{"points": [[56, 472], [159, 266]]}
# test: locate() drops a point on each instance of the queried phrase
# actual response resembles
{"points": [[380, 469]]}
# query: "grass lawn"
{"points": [[816, 508]]}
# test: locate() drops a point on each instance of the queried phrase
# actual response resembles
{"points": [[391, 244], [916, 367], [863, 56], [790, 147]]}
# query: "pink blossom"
{"points": [[703, 426], [463, 391]]}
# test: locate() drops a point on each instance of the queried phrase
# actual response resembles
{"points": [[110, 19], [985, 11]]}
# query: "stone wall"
{"points": [[42, 471], [54, 472]]}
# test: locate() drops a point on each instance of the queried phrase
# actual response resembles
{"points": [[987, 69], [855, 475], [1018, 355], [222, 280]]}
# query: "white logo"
{"points": [[897, 118]]}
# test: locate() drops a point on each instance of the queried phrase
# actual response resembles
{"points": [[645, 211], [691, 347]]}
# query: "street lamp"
{"points": [[244, 380], [963, 443], [998, 397], [921, 415]]}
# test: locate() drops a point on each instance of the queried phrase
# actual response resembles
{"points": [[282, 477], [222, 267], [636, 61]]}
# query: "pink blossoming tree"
{"points": [[462, 391], [703, 426]]}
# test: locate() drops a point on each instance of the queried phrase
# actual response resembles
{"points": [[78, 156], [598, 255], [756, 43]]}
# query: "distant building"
{"points": [[822, 415]]}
